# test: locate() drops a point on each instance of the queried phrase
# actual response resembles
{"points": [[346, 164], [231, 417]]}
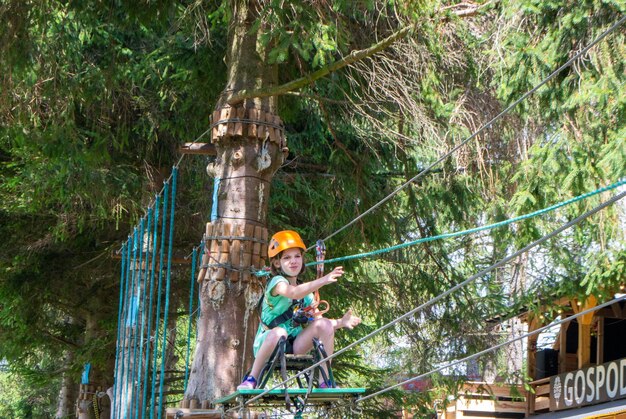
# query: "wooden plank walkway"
{"points": [[318, 395]]}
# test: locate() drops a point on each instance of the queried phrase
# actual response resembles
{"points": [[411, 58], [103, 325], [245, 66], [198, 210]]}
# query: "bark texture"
{"points": [[250, 144]]}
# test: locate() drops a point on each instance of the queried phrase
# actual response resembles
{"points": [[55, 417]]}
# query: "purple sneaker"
{"points": [[327, 384], [248, 383]]}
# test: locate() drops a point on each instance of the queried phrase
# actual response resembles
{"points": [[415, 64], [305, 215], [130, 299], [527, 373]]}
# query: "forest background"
{"points": [[97, 97]]}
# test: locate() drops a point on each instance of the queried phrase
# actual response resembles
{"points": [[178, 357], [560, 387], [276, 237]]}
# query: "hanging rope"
{"points": [[136, 301], [153, 247], [132, 311], [191, 289], [216, 190], [448, 292], [137, 355], [119, 326], [125, 341], [484, 127], [167, 290], [135, 289], [202, 244], [144, 358], [158, 309]]}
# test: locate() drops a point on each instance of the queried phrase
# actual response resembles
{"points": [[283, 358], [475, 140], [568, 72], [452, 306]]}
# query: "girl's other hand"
{"points": [[349, 320]]}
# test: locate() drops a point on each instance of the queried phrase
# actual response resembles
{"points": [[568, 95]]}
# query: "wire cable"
{"points": [[449, 291], [193, 142], [482, 128], [262, 273]]}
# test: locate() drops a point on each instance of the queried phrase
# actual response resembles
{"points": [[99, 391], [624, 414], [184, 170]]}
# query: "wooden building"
{"points": [[584, 373]]}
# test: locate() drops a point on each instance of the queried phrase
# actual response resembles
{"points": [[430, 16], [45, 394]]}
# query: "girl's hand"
{"points": [[349, 320], [332, 276]]}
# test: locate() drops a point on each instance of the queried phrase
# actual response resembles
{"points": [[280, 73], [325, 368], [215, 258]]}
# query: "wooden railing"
{"points": [[478, 399], [538, 399]]}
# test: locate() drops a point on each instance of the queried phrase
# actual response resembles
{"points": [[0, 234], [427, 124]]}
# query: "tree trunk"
{"points": [[67, 394], [92, 396], [515, 351], [250, 144]]}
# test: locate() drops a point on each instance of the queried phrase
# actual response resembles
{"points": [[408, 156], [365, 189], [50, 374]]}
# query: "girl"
{"points": [[285, 251]]}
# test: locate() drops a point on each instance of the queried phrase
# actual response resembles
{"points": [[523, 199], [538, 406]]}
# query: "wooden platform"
{"points": [[181, 413], [277, 396]]}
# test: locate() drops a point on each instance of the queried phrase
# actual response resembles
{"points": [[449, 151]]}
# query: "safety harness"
{"points": [[285, 316]]}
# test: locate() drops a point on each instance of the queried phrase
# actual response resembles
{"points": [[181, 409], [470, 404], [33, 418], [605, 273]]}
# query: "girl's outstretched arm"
{"points": [[295, 292]]}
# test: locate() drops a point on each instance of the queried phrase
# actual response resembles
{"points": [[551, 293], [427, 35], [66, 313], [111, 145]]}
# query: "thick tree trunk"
{"points": [[250, 145]]}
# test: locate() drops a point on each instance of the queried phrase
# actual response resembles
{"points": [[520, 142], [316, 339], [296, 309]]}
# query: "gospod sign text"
{"points": [[591, 385]]}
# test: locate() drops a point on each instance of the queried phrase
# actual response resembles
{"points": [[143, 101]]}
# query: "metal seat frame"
{"points": [[282, 355]]}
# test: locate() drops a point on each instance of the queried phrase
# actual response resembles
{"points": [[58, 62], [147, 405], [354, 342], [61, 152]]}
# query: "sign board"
{"points": [[597, 384], [417, 385]]}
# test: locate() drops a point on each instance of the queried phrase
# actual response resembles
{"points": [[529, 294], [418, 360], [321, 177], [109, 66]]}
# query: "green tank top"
{"points": [[273, 306]]}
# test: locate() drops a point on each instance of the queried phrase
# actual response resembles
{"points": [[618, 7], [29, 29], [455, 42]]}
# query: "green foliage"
{"points": [[310, 30], [580, 124], [95, 98], [20, 399]]}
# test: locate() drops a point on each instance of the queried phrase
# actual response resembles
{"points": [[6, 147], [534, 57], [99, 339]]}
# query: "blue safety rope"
{"points": [[158, 310], [145, 247], [125, 342], [191, 289], [167, 290], [119, 328], [216, 189], [202, 244], [130, 313], [134, 291], [155, 223], [136, 324], [145, 239]]}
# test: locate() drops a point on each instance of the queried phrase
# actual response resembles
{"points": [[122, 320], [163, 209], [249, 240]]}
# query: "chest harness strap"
{"points": [[285, 316]]}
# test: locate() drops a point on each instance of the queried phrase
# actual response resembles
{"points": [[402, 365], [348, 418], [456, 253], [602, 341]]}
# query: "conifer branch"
{"points": [[467, 9], [353, 57]]}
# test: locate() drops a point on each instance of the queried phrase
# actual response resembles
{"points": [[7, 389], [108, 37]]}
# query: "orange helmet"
{"points": [[284, 240]]}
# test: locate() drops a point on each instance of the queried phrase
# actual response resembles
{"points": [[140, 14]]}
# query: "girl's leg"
{"points": [[322, 329], [266, 349]]}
